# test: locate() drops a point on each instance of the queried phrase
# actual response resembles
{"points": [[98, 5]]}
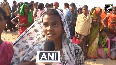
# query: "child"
{"points": [[6, 48], [104, 44]]}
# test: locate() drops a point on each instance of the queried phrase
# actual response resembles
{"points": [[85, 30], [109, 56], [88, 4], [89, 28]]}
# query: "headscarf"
{"points": [[30, 16], [103, 10], [55, 3], [97, 10], [33, 40]]}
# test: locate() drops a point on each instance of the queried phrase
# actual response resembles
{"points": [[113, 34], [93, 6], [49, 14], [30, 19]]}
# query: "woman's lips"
{"points": [[50, 34]]}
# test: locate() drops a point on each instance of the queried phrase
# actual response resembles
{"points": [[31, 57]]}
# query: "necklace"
{"points": [[58, 48]]}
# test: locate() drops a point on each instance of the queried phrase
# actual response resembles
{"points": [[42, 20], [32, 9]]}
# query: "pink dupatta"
{"points": [[108, 41]]}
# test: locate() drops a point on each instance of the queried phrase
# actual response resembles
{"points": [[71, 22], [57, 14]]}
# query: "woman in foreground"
{"points": [[51, 26], [6, 48]]}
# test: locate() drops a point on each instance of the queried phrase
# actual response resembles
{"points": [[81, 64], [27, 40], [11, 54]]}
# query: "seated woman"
{"points": [[6, 48], [104, 44], [51, 26]]}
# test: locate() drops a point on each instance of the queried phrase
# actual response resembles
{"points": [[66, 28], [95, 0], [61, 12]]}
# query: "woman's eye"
{"points": [[55, 24], [45, 24]]}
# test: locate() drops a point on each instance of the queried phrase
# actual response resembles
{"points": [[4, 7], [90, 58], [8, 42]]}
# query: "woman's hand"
{"points": [[22, 25]]}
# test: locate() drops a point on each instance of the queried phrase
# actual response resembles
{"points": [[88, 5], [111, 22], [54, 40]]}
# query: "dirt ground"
{"points": [[13, 36]]}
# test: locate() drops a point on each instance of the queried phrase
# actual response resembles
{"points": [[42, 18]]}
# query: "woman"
{"points": [[94, 34], [74, 18], [40, 10], [79, 11], [25, 18], [35, 10], [111, 18], [51, 26], [104, 44], [103, 15], [113, 50], [6, 48]]}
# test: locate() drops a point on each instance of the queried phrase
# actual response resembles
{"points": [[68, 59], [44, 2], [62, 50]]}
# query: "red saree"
{"points": [[23, 19], [111, 26], [103, 15]]}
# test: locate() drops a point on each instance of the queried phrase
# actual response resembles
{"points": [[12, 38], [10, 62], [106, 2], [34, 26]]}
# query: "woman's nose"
{"points": [[49, 28]]}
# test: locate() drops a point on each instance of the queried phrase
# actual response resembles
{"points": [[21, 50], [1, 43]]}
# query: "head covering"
{"points": [[114, 6], [97, 10], [55, 3], [30, 16], [33, 40], [103, 10]]}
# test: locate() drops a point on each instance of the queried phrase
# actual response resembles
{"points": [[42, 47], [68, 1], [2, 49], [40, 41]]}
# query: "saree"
{"points": [[93, 41], [113, 49], [112, 27], [33, 39], [103, 15], [24, 19]]}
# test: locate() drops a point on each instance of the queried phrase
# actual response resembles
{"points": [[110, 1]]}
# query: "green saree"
{"points": [[93, 42]]}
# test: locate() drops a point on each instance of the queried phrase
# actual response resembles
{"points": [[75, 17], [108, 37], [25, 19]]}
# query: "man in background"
{"points": [[55, 5], [7, 9]]}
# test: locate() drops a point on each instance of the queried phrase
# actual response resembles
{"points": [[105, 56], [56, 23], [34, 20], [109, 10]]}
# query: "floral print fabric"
{"points": [[33, 39]]}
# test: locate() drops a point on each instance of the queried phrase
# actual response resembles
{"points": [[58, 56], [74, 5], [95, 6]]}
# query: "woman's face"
{"points": [[35, 6], [26, 9], [103, 34], [80, 11], [99, 12], [71, 8], [85, 10], [114, 10], [2, 23], [52, 27]]}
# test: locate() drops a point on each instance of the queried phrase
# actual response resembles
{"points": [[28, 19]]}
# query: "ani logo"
{"points": [[108, 7], [48, 56]]}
